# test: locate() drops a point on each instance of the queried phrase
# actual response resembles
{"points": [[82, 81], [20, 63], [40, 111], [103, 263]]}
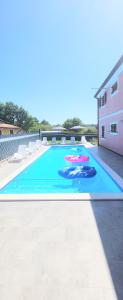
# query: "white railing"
{"points": [[17, 137]]}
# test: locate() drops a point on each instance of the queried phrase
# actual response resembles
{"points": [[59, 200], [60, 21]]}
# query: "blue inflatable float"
{"points": [[77, 172]]}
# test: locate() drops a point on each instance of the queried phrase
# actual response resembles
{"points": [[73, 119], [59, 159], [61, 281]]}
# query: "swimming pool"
{"points": [[41, 177]]}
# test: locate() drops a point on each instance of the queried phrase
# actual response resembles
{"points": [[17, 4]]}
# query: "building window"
{"points": [[114, 88], [103, 100], [11, 131], [99, 102], [114, 128], [103, 132]]}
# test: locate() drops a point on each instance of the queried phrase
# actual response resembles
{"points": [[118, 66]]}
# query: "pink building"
{"points": [[110, 110]]}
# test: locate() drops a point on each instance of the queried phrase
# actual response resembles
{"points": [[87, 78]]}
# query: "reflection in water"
{"points": [[81, 184]]}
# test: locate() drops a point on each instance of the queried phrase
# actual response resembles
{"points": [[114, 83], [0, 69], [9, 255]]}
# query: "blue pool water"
{"points": [[42, 175]]}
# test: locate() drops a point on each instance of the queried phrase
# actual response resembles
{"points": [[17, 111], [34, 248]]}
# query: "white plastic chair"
{"points": [[83, 139], [44, 141], [72, 140], [63, 140], [53, 140]]}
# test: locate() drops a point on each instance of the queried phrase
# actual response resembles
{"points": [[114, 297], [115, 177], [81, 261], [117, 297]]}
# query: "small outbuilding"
{"points": [[6, 129]]}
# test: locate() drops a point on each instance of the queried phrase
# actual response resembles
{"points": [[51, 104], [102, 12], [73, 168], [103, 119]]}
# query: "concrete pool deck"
{"points": [[60, 250], [113, 160]]}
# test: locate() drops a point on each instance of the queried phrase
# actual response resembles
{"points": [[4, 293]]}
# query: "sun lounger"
{"points": [[16, 157], [19, 155], [44, 141], [83, 139], [22, 150], [38, 144], [72, 140], [63, 140], [31, 148], [53, 140]]}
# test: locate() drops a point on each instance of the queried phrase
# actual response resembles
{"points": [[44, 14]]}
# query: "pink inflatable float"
{"points": [[77, 158]]}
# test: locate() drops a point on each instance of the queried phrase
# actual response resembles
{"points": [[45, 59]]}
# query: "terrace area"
{"points": [[61, 196], [62, 249]]}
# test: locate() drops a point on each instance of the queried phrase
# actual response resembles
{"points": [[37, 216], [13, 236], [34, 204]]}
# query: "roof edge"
{"points": [[116, 67]]}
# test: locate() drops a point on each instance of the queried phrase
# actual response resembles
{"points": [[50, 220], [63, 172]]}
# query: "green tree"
{"points": [[72, 122], [44, 122], [32, 124], [45, 126], [13, 114], [91, 130], [8, 112]]}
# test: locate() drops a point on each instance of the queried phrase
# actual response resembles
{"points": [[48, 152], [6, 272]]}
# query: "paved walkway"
{"points": [[61, 250], [112, 159]]}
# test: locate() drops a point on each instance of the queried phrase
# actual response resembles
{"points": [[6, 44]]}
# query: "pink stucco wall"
{"points": [[114, 102], [112, 112], [112, 141]]}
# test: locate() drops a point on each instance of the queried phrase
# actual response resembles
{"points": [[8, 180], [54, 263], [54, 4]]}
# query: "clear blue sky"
{"points": [[53, 52]]}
